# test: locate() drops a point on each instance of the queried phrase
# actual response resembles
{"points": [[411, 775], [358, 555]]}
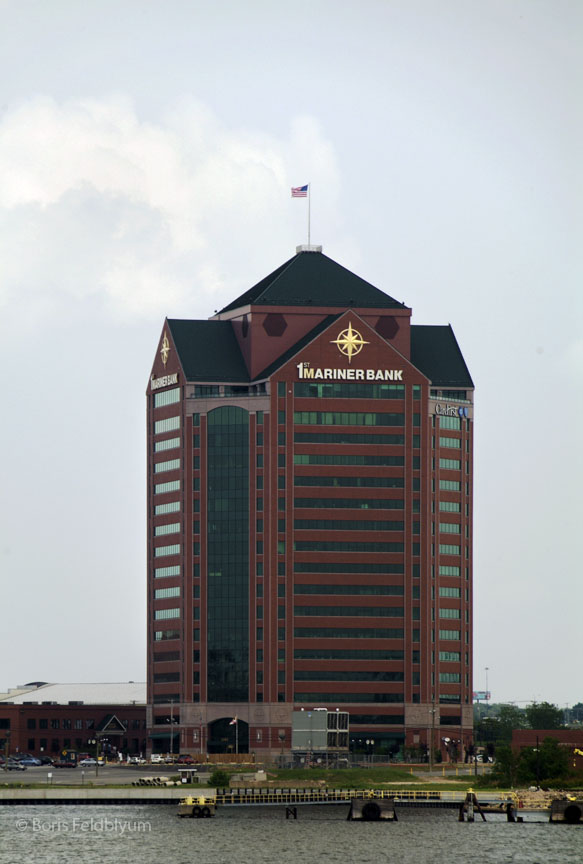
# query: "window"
{"points": [[362, 590], [167, 397], [348, 525], [349, 633], [446, 441], [167, 444], [348, 459], [354, 390], [160, 551], [162, 572], [172, 486], [450, 486], [450, 656], [446, 570], [171, 507], [167, 425], [449, 613], [163, 614], [347, 418], [448, 549], [347, 438], [171, 528], [450, 635], [449, 528], [375, 611], [449, 506], [389, 482], [164, 635], [163, 593], [169, 465], [349, 654], [450, 422], [348, 697], [450, 464], [206, 391], [349, 567], [445, 591], [346, 546], [350, 503]]}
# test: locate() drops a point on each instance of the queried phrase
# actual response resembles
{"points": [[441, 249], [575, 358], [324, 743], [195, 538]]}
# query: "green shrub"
{"points": [[219, 778]]}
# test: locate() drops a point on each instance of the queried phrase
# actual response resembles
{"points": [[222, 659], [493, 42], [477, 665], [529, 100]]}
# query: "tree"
{"points": [[577, 712], [505, 768], [219, 779], [510, 717], [543, 715], [548, 761]]}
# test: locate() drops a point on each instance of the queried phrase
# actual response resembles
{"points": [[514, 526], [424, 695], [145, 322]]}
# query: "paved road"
{"points": [[105, 774]]}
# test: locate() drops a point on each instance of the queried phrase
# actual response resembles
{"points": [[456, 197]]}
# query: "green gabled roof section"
{"points": [[435, 352], [208, 350], [313, 279], [301, 343]]}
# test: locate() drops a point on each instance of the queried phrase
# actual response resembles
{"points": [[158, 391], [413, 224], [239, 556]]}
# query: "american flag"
{"points": [[300, 191], [233, 721]]}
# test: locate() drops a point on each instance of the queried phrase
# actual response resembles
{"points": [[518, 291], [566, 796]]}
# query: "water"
{"points": [[321, 834]]}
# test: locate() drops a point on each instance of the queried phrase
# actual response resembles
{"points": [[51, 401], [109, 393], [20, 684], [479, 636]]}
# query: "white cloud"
{"points": [[142, 217]]}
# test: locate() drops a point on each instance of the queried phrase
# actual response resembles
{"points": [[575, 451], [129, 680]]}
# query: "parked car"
{"points": [[156, 758], [14, 765], [185, 759], [30, 761], [46, 760]]}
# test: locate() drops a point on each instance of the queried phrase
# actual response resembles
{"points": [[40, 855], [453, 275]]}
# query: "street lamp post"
{"points": [[95, 743], [432, 711]]}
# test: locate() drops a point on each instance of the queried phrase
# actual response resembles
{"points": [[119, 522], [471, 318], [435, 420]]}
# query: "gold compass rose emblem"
{"points": [[349, 342], [165, 349]]}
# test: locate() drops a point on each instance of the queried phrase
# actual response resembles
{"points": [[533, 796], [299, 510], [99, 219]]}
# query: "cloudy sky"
{"points": [[146, 155]]}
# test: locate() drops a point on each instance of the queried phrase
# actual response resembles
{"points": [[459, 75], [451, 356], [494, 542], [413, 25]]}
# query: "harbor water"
{"points": [[253, 835]]}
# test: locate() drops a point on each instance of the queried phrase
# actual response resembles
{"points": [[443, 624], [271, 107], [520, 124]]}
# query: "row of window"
{"points": [[170, 424], [354, 390], [350, 503], [349, 567], [171, 507], [167, 397], [348, 675], [349, 438], [348, 525], [375, 590], [348, 418], [348, 459], [447, 441], [350, 611], [168, 465], [166, 444], [363, 482]]}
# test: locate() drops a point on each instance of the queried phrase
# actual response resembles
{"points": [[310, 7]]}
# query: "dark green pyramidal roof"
{"points": [[313, 279], [436, 353]]}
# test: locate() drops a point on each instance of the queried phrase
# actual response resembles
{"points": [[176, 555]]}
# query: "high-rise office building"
{"points": [[309, 519]]}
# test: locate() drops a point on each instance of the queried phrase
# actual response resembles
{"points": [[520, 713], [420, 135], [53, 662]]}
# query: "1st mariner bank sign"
{"points": [[349, 343]]}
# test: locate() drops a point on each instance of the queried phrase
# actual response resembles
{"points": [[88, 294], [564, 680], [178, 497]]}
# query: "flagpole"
{"points": [[309, 204], [237, 735]]}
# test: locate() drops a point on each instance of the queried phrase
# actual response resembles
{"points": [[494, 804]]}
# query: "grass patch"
{"points": [[343, 778]]}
